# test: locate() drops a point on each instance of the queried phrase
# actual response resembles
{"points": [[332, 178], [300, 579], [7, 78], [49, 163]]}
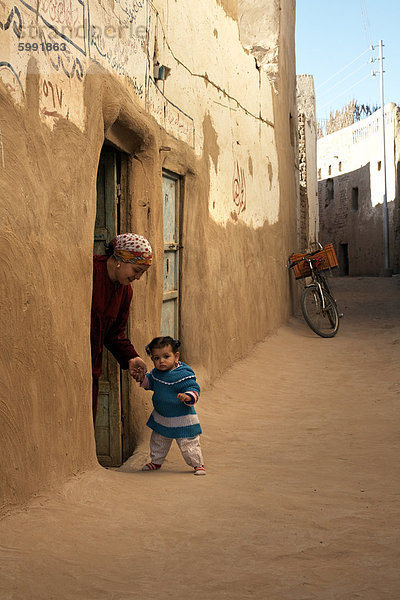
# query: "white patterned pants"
{"points": [[189, 447]]}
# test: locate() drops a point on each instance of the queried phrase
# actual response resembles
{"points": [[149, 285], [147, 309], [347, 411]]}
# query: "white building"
{"points": [[351, 191]]}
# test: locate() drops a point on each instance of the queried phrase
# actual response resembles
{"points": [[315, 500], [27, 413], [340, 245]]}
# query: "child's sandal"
{"points": [[150, 466]]}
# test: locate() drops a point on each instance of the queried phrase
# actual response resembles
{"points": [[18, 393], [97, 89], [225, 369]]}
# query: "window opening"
{"points": [[354, 198]]}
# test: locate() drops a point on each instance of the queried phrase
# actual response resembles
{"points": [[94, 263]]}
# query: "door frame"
{"points": [[124, 225]]}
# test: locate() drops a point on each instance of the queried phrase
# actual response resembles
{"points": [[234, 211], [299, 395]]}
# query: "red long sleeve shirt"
{"points": [[110, 312]]}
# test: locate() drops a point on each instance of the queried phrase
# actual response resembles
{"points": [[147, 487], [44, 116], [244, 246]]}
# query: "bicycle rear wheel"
{"points": [[322, 317]]}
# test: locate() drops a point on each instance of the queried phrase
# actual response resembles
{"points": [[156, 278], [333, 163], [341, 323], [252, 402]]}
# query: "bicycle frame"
{"points": [[316, 276], [323, 319]]}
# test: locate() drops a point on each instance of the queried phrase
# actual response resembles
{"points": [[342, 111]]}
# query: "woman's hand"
{"points": [[137, 368]]}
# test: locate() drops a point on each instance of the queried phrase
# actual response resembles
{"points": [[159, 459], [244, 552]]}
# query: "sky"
{"points": [[332, 44]]}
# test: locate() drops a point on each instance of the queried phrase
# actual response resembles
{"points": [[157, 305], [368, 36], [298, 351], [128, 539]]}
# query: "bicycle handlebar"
{"points": [[317, 244], [305, 258]]}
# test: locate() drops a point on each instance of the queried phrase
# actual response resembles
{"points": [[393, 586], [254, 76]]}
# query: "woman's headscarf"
{"points": [[131, 248]]}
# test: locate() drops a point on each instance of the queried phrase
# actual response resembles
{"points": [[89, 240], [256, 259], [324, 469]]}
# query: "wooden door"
{"points": [[171, 206], [108, 429]]}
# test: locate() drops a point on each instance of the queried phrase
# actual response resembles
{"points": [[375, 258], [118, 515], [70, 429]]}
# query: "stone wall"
{"points": [[308, 202], [303, 217]]}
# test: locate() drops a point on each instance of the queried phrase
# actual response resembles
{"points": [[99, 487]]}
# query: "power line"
{"points": [[344, 78], [344, 92], [342, 69]]}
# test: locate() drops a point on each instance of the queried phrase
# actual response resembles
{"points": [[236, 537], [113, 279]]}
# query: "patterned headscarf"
{"points": [[131, 248]]}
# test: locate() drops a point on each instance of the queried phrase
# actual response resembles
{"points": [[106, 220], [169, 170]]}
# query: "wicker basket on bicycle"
{"points": [[324, 259]]}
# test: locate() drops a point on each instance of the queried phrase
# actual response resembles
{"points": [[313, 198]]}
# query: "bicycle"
{"points": [[318, 306]]}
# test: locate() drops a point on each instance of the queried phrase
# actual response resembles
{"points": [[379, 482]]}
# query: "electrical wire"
{"points": [[344, 92], [344, 78], [342, 69], [205, 77]]}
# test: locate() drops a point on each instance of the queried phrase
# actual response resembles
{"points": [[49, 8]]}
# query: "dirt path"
{"points": [[300, 501]]}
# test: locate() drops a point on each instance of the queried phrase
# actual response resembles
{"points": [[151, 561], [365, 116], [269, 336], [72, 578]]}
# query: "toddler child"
{"points": [[175, 391]]}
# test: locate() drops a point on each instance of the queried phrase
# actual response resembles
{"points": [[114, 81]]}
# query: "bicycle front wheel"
{"points": [[320, 312]]}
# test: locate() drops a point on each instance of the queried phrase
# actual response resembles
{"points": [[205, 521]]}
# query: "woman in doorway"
{"points": [[128, 257]]}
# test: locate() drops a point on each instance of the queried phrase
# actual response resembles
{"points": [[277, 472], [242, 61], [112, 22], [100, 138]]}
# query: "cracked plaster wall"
{"points": [[259, 25]]}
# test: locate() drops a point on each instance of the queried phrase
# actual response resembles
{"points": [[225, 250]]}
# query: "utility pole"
{"points": [[387, 271]]}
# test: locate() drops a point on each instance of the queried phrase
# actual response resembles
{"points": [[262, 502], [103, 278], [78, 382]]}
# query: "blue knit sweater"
{"points": [[171, 417]]}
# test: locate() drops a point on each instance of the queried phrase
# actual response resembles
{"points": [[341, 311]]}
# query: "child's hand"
{"points": [[138, 374], [137, 368], [184, 398]]}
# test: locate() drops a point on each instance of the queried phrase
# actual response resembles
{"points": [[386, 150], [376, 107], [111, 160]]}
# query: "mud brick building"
{"points": [[173, 119]]}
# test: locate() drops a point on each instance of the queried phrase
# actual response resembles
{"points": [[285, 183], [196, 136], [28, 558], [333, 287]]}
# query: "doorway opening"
{"points": [[344, 259], [112, 431]]}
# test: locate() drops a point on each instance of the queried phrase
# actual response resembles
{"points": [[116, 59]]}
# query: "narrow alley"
{"points": [[301, 441]]}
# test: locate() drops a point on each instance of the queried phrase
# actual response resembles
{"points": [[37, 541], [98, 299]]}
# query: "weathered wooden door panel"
{"points": [[108, 420], [170, 307], [106, 209]]}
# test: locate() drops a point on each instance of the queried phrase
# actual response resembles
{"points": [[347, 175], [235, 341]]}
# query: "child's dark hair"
{"points": [[161, 342]]}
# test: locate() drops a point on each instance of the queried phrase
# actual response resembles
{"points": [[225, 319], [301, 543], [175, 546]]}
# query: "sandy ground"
{"points": [[301, 442]]}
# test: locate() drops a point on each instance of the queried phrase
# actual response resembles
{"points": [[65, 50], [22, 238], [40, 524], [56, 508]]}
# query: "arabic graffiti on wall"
{"points": [[54, 94], [119, 43], [64, 37], [239, 188]]}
